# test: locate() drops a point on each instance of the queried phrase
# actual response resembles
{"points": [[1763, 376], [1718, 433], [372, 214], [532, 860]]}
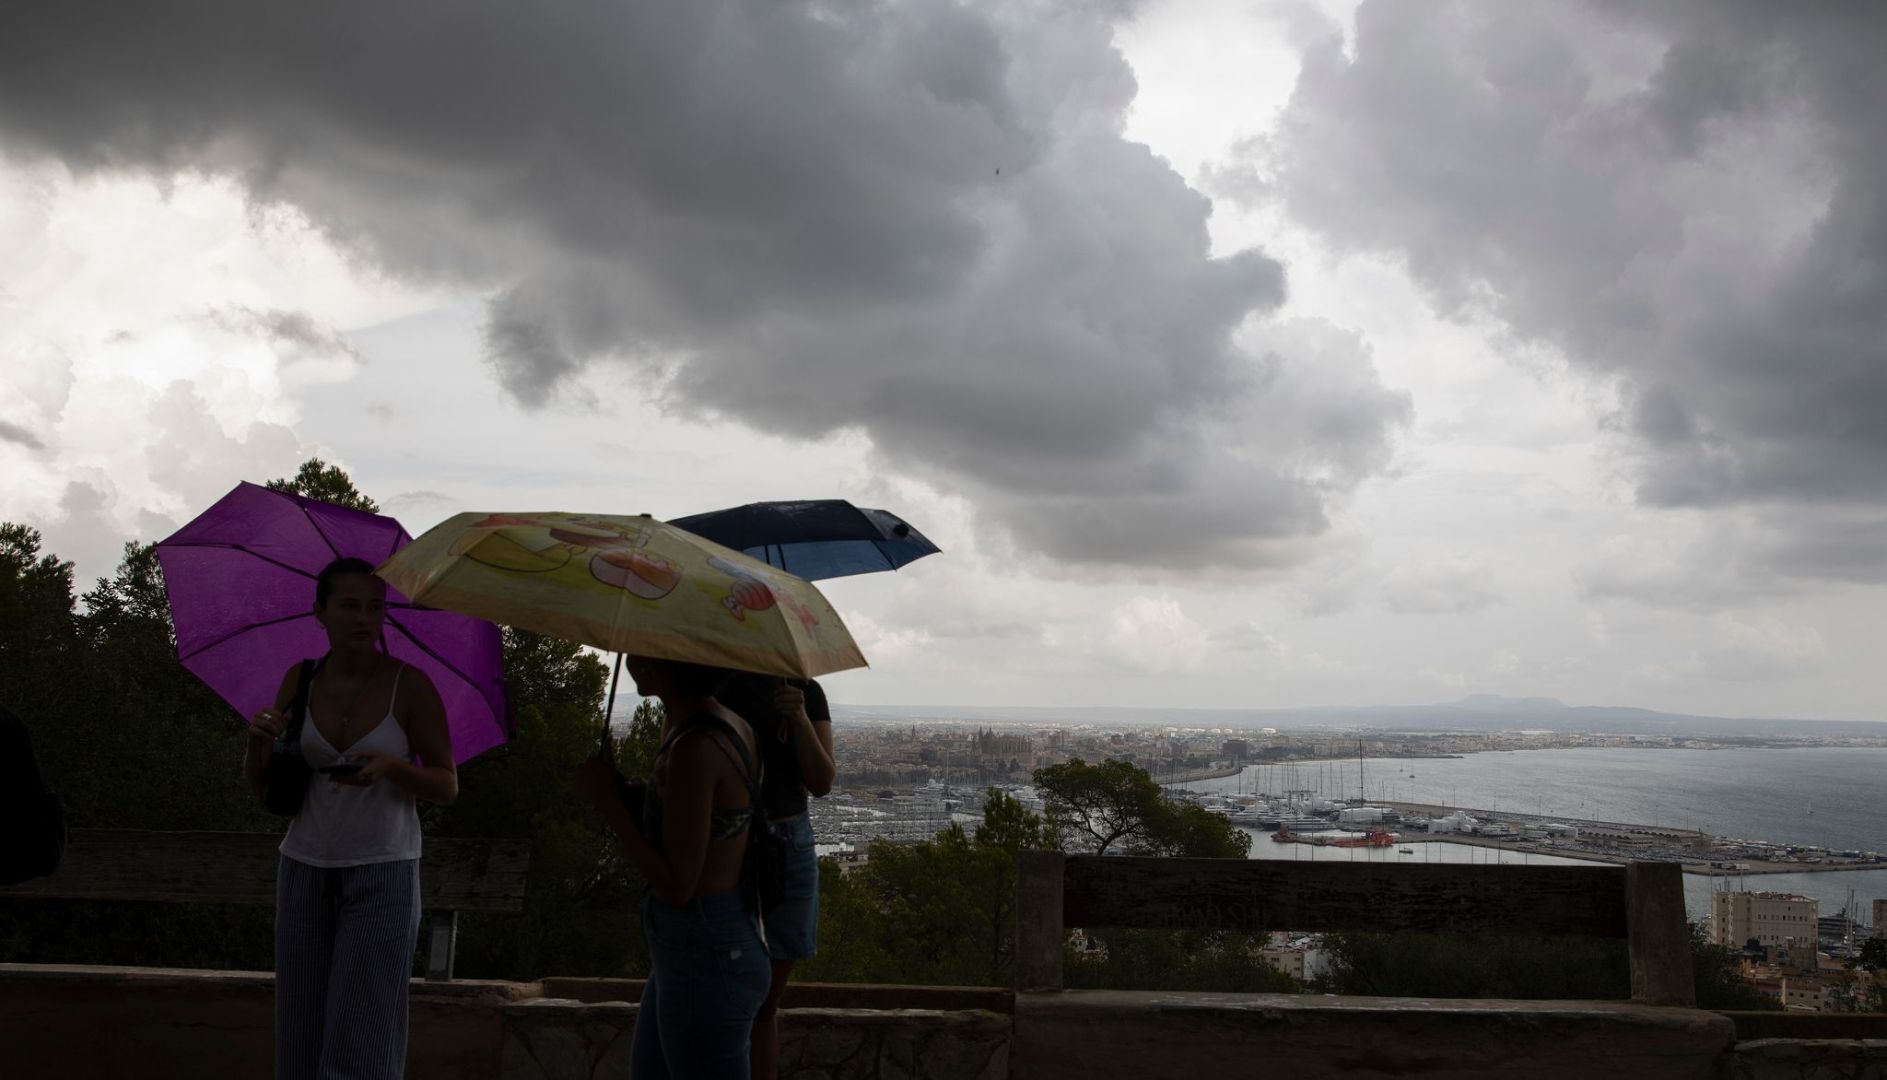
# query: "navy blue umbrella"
{"points": [[815, 539]]}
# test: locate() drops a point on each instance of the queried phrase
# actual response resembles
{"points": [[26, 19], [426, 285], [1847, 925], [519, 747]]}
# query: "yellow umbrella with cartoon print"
{"points": [[627, 585]]}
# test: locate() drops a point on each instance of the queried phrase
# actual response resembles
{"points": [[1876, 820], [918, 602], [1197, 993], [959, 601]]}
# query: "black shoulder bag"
{"points": [[763, 871], [285, 780]]}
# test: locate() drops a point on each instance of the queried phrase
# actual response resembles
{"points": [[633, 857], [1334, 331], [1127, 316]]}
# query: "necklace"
{"points": [[347, 711]]}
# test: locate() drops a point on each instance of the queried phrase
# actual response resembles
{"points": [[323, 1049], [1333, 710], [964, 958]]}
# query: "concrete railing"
{"points": [[96, 1023], [161, 867], [112, 1023], [1641, 904]]}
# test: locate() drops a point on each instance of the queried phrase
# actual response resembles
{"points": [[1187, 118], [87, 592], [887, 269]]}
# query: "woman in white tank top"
{"points": [[347, 886]]}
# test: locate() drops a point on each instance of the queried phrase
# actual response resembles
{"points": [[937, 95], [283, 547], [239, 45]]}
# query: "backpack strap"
{"points": [[298, 704], [748, 773], [757, 821]]}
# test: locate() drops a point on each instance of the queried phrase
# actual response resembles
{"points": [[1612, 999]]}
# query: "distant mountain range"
{"points": [[1477, 712]]}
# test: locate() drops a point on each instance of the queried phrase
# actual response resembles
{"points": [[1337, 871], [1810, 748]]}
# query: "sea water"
{"points": [[1825, 796]]}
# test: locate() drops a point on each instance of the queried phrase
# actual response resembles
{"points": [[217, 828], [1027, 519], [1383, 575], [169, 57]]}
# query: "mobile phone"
{"points": [[345, 768]]}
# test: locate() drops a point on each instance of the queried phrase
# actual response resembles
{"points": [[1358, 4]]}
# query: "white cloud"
{"points": [[1453, 586], [1153, 633], [888, 647], [1761, 649], [155, 350]]}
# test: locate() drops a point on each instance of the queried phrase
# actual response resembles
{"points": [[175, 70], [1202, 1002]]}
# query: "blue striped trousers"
{"points": [[344, 942]]}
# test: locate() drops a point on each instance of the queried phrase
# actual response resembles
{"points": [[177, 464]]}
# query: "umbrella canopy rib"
{"points": [[239, 631], [236, 579]]}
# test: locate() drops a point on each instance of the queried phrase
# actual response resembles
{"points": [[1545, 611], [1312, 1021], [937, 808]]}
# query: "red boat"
{"points": [[1372, 838], [1284, 836]]}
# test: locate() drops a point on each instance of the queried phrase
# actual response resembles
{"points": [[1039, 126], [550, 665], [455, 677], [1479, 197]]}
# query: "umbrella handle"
{"points": [[609, 707]]}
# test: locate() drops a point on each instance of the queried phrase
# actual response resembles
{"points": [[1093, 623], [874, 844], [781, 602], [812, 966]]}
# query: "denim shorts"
{"points": [[708, 975], [793, 926]]}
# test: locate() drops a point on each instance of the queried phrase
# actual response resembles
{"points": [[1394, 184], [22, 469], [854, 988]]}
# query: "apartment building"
{"points": [[1776, 920]]}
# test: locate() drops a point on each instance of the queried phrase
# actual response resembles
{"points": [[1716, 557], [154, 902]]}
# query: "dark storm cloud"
{"points": [[1690, 197], [918, 220], [20, 436], [295, 329]]}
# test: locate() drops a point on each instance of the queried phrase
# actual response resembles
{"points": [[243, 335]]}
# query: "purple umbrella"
{"points": [[240, 579]]}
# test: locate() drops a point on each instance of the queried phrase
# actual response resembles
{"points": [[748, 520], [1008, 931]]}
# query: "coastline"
{"points": [[1701, 869], [1210, 772]]}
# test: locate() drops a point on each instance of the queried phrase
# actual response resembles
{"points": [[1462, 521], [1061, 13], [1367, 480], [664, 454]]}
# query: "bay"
{"points": [[1825, 796]]}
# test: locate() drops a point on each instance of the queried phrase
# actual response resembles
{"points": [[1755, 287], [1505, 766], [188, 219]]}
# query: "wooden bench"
{"points": [[1642, 903], [239, 868]]}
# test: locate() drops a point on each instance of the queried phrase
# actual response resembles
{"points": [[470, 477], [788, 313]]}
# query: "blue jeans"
{"points": [[708, 974], [793, 926]]}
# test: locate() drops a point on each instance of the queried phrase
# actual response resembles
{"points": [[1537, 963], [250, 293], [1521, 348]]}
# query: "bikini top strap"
{"points": [[745, 762]]}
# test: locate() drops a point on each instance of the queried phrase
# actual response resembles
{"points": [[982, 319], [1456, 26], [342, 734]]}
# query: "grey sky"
{"points": [[1238, 353], [1688, 197], [917, 220]]}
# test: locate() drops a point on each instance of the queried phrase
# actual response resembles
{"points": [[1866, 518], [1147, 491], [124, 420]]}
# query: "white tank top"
{"points": [[343, 825]]}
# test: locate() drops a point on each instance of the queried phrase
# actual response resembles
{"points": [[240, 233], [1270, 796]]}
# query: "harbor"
{"points": [[1300, 817], [1721, 813]]}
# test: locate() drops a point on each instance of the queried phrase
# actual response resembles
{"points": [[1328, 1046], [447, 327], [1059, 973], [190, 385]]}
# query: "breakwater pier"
{"points": [[1619, 842]]}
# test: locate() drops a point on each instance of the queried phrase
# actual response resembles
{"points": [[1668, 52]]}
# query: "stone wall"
{"points": [[84, 1023], [1083, 1034], [561, 1039], [1808, 1059], [109, 1023], [105, 1023]]}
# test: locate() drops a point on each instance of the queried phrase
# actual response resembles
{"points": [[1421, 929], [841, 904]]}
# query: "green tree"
{"points": [[1010, 826], [38, 632], [128, 739], [160, 749], [1181, 830], [581, 894], [1717, 972], [943, 911], [1865, 987], [583, 891], [852, 929], [937, 912], [316, 479], [1094, 807], [637, 747], [1218, 961]]}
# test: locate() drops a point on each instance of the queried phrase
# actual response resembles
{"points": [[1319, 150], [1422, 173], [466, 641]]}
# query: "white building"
{"points": [[1777, 920], [1302, 959]]}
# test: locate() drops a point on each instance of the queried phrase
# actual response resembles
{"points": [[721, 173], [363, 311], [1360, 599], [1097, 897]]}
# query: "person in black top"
{"points": [[793, 726]]}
